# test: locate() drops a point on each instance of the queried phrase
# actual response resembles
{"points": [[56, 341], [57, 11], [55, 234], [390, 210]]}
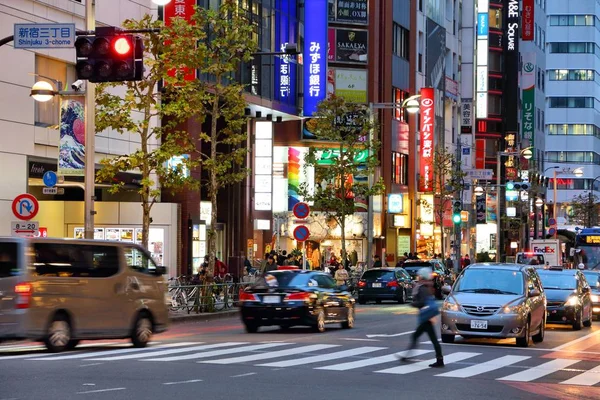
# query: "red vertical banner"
{"points": [[480, 154], [182, 9], [528, 16], [426, 136]]}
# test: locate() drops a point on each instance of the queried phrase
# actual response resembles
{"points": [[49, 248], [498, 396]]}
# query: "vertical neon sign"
{"points": [[315, 54], [285, 66], [427, 118]]}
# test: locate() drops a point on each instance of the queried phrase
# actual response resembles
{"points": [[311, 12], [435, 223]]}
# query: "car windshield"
{"points": [[404, 274], [593, 278], [495, 281], [284, 280], [530, 259], [378, 274], [589, 255], [558, 281]]}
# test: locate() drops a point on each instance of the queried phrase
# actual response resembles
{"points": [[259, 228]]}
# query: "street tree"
{"points": [[349, 135], [215, 43], [584, 210], [138, 108]]}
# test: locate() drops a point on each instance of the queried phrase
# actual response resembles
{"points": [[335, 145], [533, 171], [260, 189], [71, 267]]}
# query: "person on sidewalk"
{"points": [[423, 300], [341, 275]]}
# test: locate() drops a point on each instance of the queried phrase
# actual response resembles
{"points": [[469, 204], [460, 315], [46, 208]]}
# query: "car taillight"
{"points": [[392, 284], [362, 283], [300, 296], [23, 291], [245, 296]]}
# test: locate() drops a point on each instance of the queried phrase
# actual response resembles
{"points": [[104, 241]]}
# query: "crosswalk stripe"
{"points": [[419, 366], [372, 361], [273, 354], [109, 352], [324, 357], [588, 378], [216, 353], [540, 371], [484, 367], [167, 352]]}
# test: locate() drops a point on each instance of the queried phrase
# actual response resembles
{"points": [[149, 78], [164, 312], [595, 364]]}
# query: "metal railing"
{"points": [[204, 298]]}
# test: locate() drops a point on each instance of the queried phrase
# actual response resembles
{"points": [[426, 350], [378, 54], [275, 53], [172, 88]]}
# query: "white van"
{"points": [[61, 291]]}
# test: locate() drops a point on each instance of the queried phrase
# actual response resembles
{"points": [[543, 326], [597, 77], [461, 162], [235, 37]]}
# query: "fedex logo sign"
{"points": [[545, 249]]}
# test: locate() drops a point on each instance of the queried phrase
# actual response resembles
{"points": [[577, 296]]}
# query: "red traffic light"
{"points": [[122, 46]]}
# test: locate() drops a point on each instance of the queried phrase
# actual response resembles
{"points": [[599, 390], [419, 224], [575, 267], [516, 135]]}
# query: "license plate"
{"points": [[376, 285], [271, 299], [477, 324]]}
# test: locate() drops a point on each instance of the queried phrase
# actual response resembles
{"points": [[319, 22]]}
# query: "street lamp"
{"points": [[43, 91], [161, 2]]}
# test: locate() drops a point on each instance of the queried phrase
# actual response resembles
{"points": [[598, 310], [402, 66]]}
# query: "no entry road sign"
{"points": [[301, 210], [25, 206]]}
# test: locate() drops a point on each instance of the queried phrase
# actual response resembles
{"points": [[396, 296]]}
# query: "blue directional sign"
{"points": [[50, 178], [301, 233], [44, 36]]}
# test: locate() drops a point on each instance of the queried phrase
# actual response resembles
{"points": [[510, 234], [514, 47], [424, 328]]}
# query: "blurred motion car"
{"points": [[441, 276], [593, 279], [296, 297], [495, 300], [385, 284], [569, 297], [61, 291]]}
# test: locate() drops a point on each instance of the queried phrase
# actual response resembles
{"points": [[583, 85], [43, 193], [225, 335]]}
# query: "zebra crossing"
{"points": [[329, 357]]}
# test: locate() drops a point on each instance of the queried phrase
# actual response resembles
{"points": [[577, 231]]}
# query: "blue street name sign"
{"points": [[44, 36]]}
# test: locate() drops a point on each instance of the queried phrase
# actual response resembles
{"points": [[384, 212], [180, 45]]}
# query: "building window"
{"points": [[574, 129], [399, 168], [48, 113], [573, 156], [571, 102], [401, 41], [399, 97], [495, 18], [572, 20], [495, 63], [579, 47], [571, 75], [494, 104]]}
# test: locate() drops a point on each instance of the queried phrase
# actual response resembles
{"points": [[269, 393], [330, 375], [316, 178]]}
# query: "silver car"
{"points": [[495, 300]]}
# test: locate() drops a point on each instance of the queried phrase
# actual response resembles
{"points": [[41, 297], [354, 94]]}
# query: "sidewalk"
{"points": [[182, 316]]}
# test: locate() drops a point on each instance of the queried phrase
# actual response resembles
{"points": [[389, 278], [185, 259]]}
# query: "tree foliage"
{"points": [[583, 210], [214, 43], [137, 108], [344, 128]]}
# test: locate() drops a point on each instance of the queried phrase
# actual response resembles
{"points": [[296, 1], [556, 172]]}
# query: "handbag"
{"points": [[429, 311]]}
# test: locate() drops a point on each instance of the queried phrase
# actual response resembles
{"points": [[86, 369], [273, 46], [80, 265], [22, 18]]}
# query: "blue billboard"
{"points": [[286, 23], [482, 25], [315, 54]]}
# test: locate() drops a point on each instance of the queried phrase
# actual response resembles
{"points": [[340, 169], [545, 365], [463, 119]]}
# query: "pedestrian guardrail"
{"points": [[204, 298]]}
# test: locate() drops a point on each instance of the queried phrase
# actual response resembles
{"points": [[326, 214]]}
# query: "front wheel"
{"points": [[349, 323], [577, 321], [142, 331], [320, 325], [588, 323], [251, 328], [539, 337], [524, 341], [402, 298], [58, 335]]}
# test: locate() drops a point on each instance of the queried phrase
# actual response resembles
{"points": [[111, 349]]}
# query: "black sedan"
{"points": [[296, 297], [568, 297], [385, 284], [593, 279]]}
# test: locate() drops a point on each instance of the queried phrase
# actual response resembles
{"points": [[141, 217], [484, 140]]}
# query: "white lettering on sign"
{"points": [[427, 145], [512, 28], [315, 68], [284, 73]]}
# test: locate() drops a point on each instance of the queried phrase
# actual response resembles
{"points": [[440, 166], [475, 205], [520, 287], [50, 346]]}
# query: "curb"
{"points": [[203, 316]]}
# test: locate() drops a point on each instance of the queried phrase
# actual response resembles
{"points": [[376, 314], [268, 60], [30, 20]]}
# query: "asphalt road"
{"points": [[217, 360]]}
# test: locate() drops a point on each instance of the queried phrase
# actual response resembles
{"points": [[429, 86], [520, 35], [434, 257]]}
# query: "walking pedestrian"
{"points": [[341, 275], [423, 300]]}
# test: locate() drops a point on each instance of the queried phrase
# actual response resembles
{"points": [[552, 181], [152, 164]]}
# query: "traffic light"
{"points": [[456, 210], [109, 56], [510, 185]]}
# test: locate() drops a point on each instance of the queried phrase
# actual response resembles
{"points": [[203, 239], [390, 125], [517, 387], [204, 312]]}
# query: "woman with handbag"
{"points": [[423, 300]]}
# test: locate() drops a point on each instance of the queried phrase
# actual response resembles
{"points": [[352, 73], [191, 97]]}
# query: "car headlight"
{"points": [[572, 301], [512, 309], [595, 298], [449, 306]]}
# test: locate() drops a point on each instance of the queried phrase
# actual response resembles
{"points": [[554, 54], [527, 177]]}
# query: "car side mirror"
{"points": [[534, 293], [446, 289], [160, 270], [586, 289]]}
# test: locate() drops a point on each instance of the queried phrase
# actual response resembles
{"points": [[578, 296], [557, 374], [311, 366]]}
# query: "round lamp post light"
{"points": [[42, 91], [161, 2]]}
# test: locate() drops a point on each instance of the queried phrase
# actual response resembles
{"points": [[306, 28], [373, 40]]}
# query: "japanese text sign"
{"points": [[426, 136], [315, 55]]}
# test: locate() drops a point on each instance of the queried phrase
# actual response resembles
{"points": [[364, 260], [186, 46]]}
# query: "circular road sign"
{"points": [[551, 231], [552, 221], [50, 178], [301, 233], [301, 210], [25, 206]]}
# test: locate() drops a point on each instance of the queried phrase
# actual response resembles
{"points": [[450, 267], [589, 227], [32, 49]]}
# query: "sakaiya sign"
{"points": [[427, 145]]}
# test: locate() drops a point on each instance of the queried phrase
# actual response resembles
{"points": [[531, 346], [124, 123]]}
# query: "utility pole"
{"points": [[90, 136]]}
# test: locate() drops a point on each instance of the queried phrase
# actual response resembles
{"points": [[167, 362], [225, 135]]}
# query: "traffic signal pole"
{"points": [[90, 136]]}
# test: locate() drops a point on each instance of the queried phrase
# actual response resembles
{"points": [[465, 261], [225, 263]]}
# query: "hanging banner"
{"points": [[315, 54], [71, 148], [426, 139], [491, 208], [351, 45], [480, 209], [285, 66], [527, 20], [180, 9], [528, 85]]}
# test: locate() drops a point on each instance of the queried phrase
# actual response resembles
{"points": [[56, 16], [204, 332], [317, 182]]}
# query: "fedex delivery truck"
{"points": [[551, 248]]}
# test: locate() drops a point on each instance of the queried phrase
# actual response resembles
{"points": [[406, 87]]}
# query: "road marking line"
{"points": [[361, 340], [178, 383], [111, 352], [216, 353], [540, 371], [572, 342], [38, 355], [90, 365], [101, 390], [324, 357], [588, 378], [167, 352], [391, 335], [484, 367], [242, 375], [372, 361], [273, 354], [419, 366]]}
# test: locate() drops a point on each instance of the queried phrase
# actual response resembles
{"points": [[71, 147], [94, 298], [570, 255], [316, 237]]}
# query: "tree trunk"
{"points": [[145, 195], [213, 188], [343, 226]]}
